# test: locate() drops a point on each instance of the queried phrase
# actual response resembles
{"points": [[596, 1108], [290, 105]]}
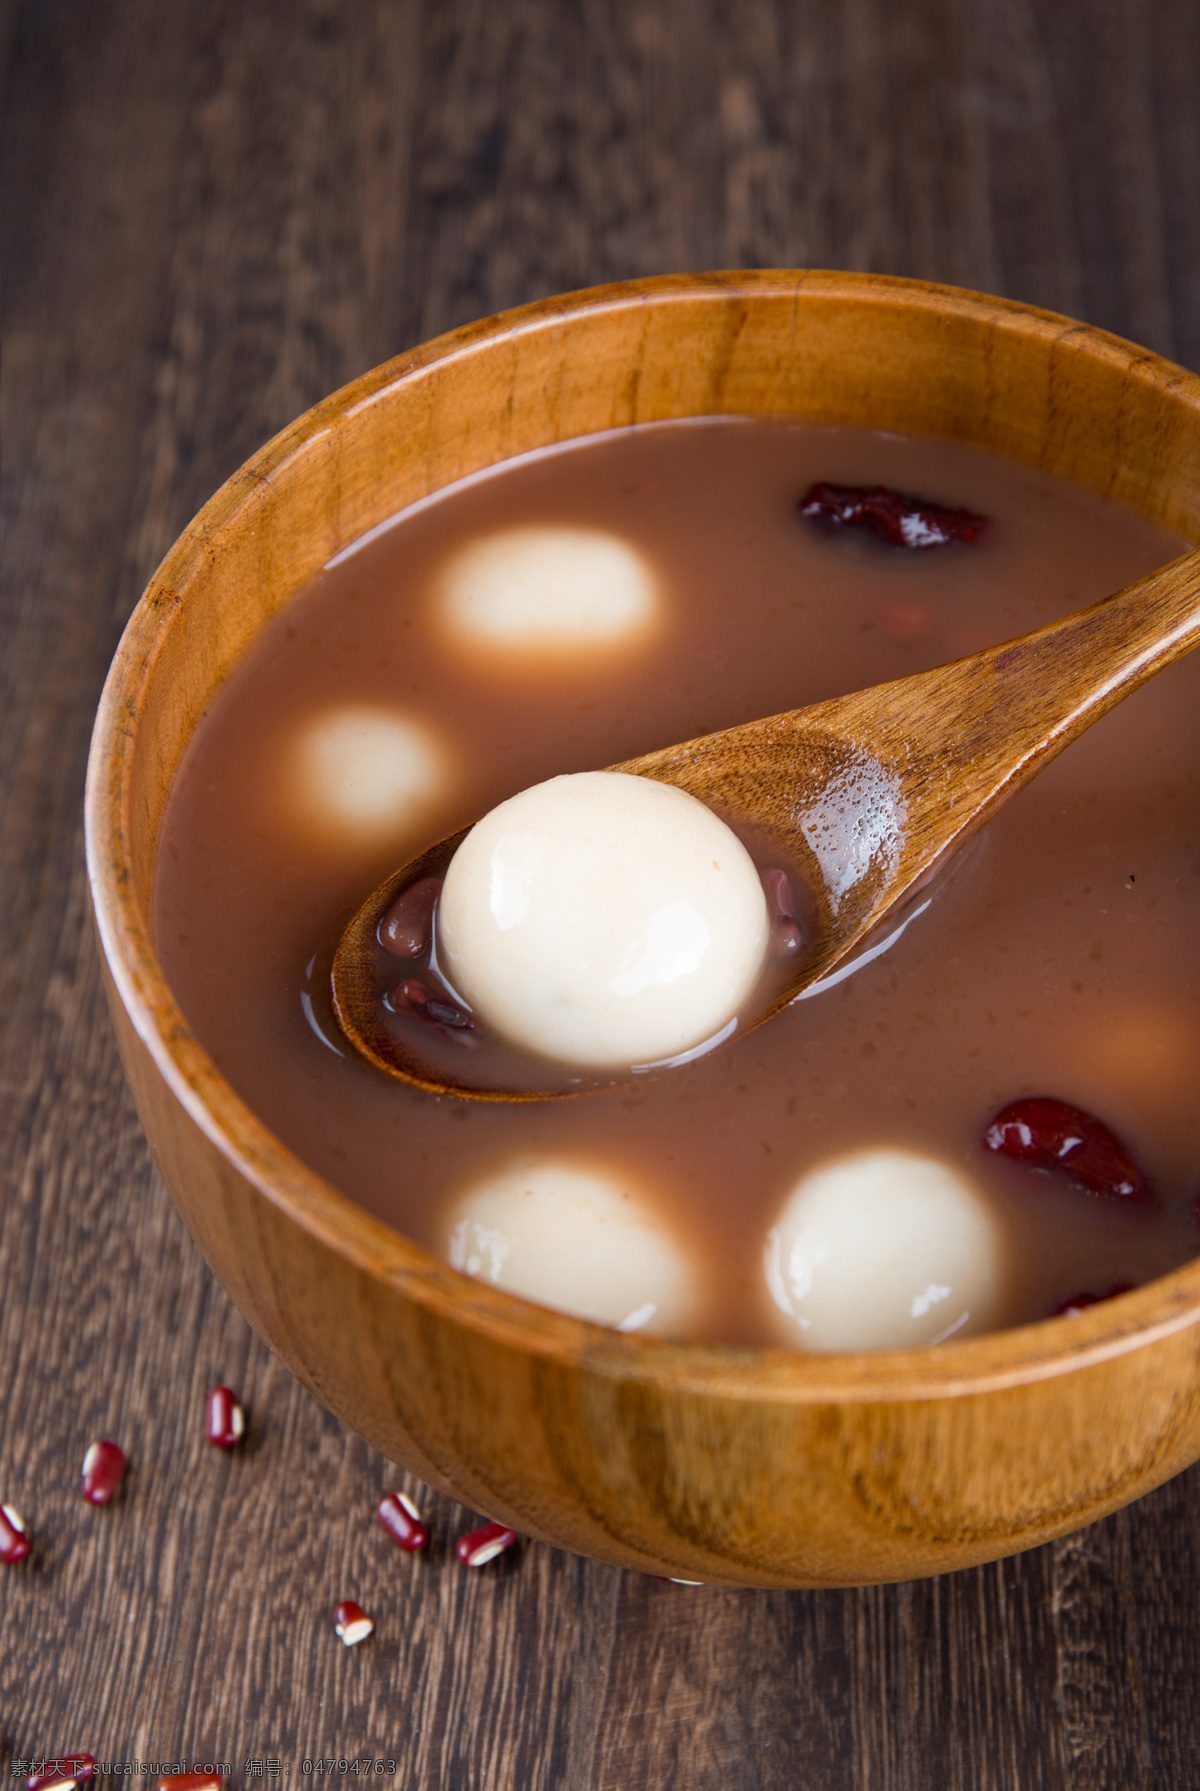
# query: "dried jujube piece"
{"points": [[892, 516], [1050, 1134]]}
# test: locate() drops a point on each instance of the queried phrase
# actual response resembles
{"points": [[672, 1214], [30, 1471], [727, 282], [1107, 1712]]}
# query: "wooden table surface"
{"points": [[215, 211]]}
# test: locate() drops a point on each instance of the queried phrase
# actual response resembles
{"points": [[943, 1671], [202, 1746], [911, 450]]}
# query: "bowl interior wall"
{"points": [[829, 349]]}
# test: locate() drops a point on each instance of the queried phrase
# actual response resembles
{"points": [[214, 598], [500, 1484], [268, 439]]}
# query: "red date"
{"points": [[1051, 1134], [891, 516]]}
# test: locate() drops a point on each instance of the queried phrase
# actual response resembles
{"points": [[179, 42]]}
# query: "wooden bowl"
{"points": [[746, 1467]]}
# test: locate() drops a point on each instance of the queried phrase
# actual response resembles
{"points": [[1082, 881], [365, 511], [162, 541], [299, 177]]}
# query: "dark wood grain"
{"points": [[213, 214]]}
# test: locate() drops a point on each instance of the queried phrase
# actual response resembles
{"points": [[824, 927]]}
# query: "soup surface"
{"points": [[1058, 958]]}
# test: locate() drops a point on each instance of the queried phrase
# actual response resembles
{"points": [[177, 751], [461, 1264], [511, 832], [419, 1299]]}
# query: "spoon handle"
{"points": [[876, 789], [965, 737]]}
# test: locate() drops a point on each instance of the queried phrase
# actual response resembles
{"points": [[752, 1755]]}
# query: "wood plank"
{"points": [[213, 214]]}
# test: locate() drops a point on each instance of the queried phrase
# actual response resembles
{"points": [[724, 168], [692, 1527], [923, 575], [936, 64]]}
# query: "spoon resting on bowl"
{"points": [[866, 795]]}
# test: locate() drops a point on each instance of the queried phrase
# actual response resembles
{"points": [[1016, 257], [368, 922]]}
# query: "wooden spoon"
{"points": [[869, 793]]}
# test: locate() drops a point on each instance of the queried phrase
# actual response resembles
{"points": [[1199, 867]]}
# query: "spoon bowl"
{"points": [[868, 794]]}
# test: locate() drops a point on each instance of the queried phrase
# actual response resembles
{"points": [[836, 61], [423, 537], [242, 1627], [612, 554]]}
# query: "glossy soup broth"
{"points": [[1058, 959]]}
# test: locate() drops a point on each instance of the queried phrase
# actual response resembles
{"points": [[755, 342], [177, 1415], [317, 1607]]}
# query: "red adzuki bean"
{"points": [[407, 926], [1051, 1134], [1078, 1302], [224, 1419], [14, 1537], [402, 1521], [483, 1545], [889, 516], [67, 1770], [351, 1622], [418, 998], [103, 1466]]}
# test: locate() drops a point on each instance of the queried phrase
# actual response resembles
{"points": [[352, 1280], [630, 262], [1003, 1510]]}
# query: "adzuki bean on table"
{"points": [[480, 1546], [103, 1468], [69, 1769], [14, 1537], [351, 1623], [224, 1419], [402, 1521]]}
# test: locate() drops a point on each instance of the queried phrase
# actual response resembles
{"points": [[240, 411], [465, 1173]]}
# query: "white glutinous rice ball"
{"points": [[883, 1249], [545, 588], [603, 920], [577, 1237], [363, 774]]}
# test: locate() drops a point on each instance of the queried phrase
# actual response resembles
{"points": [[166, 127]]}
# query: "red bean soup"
{"points": [[1012, 1077]]}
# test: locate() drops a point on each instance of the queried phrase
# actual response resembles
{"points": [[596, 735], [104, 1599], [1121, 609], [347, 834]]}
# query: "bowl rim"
{"points": [[989, 1362]]}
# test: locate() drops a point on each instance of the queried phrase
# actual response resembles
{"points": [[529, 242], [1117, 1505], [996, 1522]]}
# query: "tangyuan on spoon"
{"points": [[847, 808]]}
